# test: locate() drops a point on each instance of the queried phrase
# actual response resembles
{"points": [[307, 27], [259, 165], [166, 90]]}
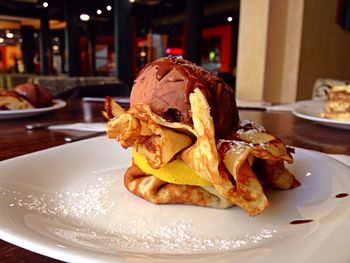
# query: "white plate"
{"points": [[14, 114], [311, 110], [69, 203]]}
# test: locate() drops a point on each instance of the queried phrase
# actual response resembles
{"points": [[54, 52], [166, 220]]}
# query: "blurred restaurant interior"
{"points": [[69, 39], [272, 51], [67, 71]]}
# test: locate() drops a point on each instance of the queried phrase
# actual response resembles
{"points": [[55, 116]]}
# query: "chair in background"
{"points": [[97, 91]]}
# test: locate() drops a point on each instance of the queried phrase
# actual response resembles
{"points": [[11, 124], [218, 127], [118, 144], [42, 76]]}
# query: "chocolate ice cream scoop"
{"points": [[165, 85]]}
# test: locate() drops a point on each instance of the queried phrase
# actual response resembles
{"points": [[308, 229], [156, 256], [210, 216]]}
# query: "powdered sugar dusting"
{"points": [[77, 204], [93, 215], [176, 238]]}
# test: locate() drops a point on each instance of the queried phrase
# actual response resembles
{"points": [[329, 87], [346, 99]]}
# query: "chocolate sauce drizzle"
{"points": [[341, 195], [164, 67], [301, 221]]}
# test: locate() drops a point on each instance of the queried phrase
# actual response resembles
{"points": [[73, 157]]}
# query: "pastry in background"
{"points": [[25, 96], [37, 95], [10, 100], [337, 106]]}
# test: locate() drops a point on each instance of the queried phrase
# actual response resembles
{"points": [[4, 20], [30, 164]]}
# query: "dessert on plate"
{"points": [[189, 145], [337, 106], [25, 96], [10, 100]]}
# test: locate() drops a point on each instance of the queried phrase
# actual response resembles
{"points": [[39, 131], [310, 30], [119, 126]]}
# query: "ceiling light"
{"points": [[20, 40], [2, 40], [108, 7], [9, 35], [45, 4], [99, 11], [131, 1], [55, 48], [84, 17], [229, 19]]}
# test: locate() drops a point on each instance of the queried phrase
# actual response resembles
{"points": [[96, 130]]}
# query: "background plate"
{"points": [[13, 114], [311, 110]]}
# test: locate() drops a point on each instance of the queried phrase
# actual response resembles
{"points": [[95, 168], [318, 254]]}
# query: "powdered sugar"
{"points": [[176, 238], [77, 204], [100, 214]]}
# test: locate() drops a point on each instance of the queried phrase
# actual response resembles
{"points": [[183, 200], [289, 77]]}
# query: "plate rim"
{"points": [[15, 114], [306, 103], [57, 105]]}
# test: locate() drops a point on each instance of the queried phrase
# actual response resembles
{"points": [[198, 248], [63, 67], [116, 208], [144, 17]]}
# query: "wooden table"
{"points": [[15, 140]]}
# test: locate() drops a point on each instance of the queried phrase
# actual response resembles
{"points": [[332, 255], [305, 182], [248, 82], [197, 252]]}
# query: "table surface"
{"points": [[15, 140]]}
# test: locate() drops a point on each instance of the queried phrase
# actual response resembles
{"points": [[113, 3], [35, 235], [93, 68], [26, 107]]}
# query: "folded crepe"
{"points": [[178, 160], [10, 100], [25, 96]]}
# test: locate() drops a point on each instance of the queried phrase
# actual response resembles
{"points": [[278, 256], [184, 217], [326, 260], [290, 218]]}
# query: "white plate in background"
{"points": [[14, 114], [311, 110], [69, 203]]}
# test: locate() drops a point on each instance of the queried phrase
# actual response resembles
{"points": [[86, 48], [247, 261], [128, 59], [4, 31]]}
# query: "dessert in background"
{"points": [[337, 106], [25, 96], [189, 146], [10, 100], [37, 95]]}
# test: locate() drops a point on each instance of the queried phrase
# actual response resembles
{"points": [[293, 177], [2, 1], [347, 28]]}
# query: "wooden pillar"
{"points": [[28, 48], [194, 31], [269, 44], [123, 41], [44, 45], [72, 39]]}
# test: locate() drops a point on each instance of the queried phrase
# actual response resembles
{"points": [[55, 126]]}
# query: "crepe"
{"points": [[228, 166], [24, 97], [158, 191], [10, 100]]}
